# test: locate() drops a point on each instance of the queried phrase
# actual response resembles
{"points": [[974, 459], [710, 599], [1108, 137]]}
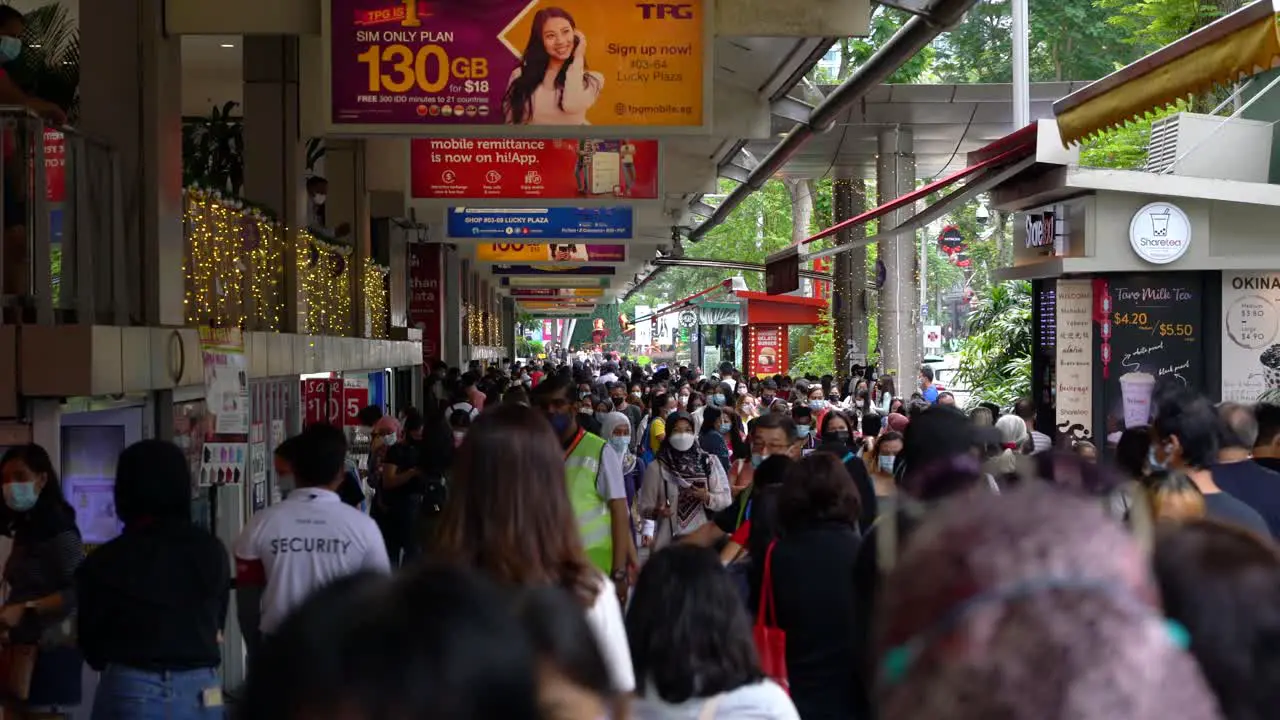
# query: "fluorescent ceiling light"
{"points": [[228, 45]]}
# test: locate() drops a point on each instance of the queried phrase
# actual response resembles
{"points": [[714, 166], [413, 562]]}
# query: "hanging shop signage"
{"points": [[55, 166], [549, 252], [517, 169], [1073, 358], [1250, 325], [1160, 233], [767, 351], [1041, 229], [541, 270], [1150, 330], [415, 62], [932, 338], [951, 240], [355, 397], [558, 223], [426, 299], [322, 401], [522, 292]]}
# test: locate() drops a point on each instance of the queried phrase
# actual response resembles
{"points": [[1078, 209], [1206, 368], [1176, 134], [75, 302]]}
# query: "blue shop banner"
{"points": [[556, 223]]}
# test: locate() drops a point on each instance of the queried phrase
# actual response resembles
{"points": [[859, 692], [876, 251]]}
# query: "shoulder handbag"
{"points": [[771, 641]]}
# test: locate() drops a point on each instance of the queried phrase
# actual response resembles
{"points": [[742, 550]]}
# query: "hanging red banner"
{"points": [[426, 298]]}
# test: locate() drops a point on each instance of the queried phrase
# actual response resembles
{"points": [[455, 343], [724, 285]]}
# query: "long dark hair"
{"points": [[52, 513], [518, 102], [689, 635], [508, 511]]}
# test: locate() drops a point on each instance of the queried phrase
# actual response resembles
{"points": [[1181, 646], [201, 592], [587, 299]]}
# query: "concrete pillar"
{"points": [[509, 327], [348, 204], [454, 336], [899, 324], [131, 97], [849, 199], [273, 153]]}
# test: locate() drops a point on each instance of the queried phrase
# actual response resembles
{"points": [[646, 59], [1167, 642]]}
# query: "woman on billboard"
{"points": [[553, 85]]}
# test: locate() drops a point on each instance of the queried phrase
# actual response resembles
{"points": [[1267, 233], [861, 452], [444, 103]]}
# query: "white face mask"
{"points": [[682, 441]]}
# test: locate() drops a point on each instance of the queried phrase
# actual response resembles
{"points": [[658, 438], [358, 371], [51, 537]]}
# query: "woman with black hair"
{"points": [[153, 602], [435, 643], [691, 644], [40, 577], [553, 85], [573, 680]]}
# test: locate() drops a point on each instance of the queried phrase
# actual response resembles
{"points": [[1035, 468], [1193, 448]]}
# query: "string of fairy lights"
{"points": [[484, 327], [235, 272]]}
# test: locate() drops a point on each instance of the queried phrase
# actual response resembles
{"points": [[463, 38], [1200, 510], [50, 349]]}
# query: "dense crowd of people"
{"points": [[604, 540]]}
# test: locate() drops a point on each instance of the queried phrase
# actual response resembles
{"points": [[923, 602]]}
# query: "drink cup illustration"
{"points": [[1270, 360], [1160, 223], [1136, 389]]}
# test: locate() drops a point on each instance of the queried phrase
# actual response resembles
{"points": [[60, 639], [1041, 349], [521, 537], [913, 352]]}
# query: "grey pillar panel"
{"points": [[899, 327]]}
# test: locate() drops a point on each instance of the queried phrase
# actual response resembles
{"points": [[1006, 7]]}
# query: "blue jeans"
{"points": [[125, 693]]}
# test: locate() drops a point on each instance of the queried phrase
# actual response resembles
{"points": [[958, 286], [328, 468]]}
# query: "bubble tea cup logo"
{"points": [[1160, 233]]}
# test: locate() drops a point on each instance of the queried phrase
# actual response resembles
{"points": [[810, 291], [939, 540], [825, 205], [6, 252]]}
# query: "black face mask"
{"points": [[617, 402], [842, 436]]}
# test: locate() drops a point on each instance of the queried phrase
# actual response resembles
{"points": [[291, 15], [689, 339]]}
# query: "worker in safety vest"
{"points": [[597, 489]]}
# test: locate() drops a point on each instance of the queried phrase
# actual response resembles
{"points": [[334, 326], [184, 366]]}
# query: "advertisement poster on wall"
{"points": [[426, 303], [1073, 359], [1250, 325], [257, 467], [516, 169], [539, 270], [1149, 327], [768, 350], [558, 223], [419, 62], [549, 252], [224, 457]]}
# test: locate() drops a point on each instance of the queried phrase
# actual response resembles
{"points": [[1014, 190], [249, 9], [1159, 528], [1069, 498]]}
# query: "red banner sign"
{"points": [[467, 168], [354, 399], [322, 401], [426, 301], [768, 352], [55, 166]]}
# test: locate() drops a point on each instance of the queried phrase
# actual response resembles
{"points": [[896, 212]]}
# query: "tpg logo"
{"points": [[662, 11]]}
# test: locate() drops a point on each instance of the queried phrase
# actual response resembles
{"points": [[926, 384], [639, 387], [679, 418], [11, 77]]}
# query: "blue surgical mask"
{"points": [[803, 430], [621, 444], [817, 404], [725, 427], [560, 422], [20, 496], [10, 48], [389, 440], [886, 463], [718, 399], [756, 459]]}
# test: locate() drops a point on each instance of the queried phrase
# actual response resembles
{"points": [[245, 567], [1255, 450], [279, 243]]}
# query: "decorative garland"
{"points": [[377, 314]]}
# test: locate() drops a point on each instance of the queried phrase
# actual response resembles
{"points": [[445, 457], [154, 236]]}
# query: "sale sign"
{"points": [[355, 397], [426, 62], [322, 401], [426, 301], [515, 252], [511, 168]]}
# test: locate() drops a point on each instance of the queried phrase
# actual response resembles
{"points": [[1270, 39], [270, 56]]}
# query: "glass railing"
{"points": [[63, 255]]}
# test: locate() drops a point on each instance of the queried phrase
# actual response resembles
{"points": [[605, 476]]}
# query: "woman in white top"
{"points": [[703, 667], [682, 483], [552, 86], [509, 475]]}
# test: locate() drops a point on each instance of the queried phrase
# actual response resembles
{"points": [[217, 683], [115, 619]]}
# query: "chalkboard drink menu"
{"points": [[1152, 340]]}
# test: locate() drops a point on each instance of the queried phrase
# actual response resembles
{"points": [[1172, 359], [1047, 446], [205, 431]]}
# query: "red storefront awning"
{"points": [[765, 309]]}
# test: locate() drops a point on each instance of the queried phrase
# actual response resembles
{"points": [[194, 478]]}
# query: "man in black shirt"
{"points": [[1236, 471], [399, 497]]}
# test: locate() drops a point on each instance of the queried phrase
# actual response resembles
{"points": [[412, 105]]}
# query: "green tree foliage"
{"points": [[820, 359], [1125, 148], [1152, 24], [995, 360], [885, 22]]}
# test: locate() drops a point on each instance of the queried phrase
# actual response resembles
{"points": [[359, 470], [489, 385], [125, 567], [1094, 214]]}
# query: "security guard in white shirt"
{"points": [[311, 539]]}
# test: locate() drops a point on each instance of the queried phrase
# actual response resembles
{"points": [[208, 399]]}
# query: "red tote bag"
{"points": [[771, 641]]}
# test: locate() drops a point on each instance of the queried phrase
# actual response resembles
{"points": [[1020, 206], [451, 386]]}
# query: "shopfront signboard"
{"points": [[1250, 326], [524, 224], [1160, 233], [428, 63], [549, 252], [1073, 359], [543, 270], [532, 169], [767, 351], [1151, 336], [426, 297], [556, 292], [355, 397]]}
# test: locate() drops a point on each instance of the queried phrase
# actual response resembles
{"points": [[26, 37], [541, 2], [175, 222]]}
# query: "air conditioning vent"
{"points": [[1209, 146]]}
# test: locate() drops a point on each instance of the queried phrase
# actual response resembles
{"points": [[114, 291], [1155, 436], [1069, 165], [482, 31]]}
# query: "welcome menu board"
{"points": [[1151, 338]]}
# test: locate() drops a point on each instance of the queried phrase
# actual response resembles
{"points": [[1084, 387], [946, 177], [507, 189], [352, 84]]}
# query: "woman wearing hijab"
{"points": [[682, 484], [615, 428], [994, 584]]}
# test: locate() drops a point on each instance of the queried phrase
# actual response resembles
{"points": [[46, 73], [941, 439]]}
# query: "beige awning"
{"points": [[1234, 47]]}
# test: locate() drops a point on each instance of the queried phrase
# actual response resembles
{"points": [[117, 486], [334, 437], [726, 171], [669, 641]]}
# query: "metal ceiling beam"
{"points": [[910, 39], [734, 172], [922, 8], [789, 108]]}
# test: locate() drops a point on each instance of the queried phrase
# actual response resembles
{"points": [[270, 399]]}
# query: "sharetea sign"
{"points": [[1160, 233]]}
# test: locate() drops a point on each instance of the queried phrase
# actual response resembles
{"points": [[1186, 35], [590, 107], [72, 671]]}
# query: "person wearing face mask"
{"points": [[597, 486], [818, 404], [802, 416], [632, 409], [715, 424], [881, 461], [40, 573], [682, 484], [317, 197], [720, 397], [836, 431], [617, 432], [399, 498]]}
